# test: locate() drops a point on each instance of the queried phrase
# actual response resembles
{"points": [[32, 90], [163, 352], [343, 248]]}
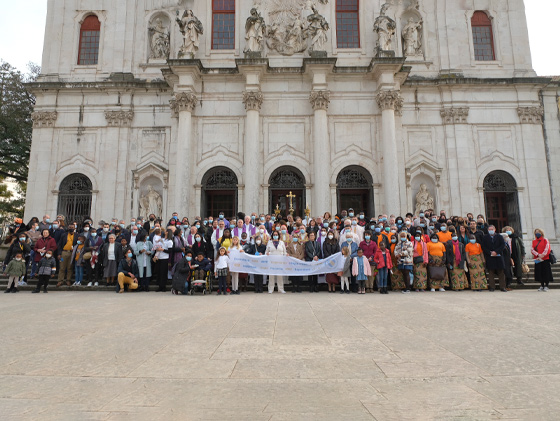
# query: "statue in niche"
{"points": [[411, 35], [254, 29], [192, 29], [159, 40], [318, 27], [385, 28], [423, 199], [151, 203]]}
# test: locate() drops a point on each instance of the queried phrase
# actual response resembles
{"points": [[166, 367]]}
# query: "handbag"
{"points": [[87, 255], [418, 259], [437, 273], [552, 258], [525, 268]]}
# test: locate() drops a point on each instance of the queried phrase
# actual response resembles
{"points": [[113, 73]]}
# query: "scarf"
{"points": [[275, 243], [457, 251]]}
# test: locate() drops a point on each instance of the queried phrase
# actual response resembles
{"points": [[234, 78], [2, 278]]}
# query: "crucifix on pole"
{"points": [[291, 196]]}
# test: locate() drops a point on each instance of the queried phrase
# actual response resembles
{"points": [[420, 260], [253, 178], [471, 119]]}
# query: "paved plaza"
{"points": [[138, 356]]}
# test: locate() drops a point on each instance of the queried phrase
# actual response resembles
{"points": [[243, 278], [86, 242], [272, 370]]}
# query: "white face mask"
{"points": [[331, 237], [259, 242], [48, 256]]}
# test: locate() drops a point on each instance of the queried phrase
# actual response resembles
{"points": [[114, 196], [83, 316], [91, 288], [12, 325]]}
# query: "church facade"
{"points": [[239, 105]]}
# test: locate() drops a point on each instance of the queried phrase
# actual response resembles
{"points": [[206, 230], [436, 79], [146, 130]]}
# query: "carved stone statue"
{"points": [[286, 33], [385, 28], [423, 199], [254, 32], [317, 28], [192, 29], [151, 202], [159, 40], [411, 35]]}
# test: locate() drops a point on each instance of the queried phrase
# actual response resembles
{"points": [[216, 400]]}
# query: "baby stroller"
{"points": [[201, 285]]}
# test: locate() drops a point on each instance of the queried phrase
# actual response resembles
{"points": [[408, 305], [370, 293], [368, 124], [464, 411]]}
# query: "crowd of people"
{"points": [[428, 251]]}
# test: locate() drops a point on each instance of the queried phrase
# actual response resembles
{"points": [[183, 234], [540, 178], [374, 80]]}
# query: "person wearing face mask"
{"points": [[481, 224], [278, 248], [93, 269], [46, 270], [437, 259], [143, 253], [508, 261], [456, 258], [128, 272], [404, 252], [476, 264], [420, 261], [296, 250], [329, 248], [493, 246], [177, 251], [65, 248], [78, 252], [517, 253], [396, 276], [201, 246], [444, 234], [541, 251], [369, 248], [15, 270], [352, 247], [347, 228], [182, 274], [43, 244], [258, 249], [312, 253]]}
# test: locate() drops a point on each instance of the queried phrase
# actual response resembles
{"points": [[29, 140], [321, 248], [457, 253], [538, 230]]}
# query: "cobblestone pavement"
{"points": [[139, 356]]}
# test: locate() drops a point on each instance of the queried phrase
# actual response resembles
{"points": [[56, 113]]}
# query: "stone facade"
{"points": [[436, 117]]}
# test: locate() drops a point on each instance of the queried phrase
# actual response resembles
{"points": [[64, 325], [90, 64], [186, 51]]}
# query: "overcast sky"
{"points": [[22, 26]]}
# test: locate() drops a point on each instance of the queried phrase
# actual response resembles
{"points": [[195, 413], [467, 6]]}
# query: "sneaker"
{"points": [[89, 284], [541, 289], [75, 284], [96, 284], [442, 289], [282, 292], [78, 284], [546, 289], [433, 290]]}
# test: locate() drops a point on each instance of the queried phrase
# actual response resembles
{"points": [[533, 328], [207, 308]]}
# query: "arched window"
{"points": [[88, 53], [483, 38], [74, 198], [347, 23], [287, 189], [223, 24], [355, 190], [502, 202], [219, 186]]}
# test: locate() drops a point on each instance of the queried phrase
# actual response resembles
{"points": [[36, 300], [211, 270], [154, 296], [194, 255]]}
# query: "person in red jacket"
{"points": [[43, 244], [369, 248], [541, 254], [384, 263]]}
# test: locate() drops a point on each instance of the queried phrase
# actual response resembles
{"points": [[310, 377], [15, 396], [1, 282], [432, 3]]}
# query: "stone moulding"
{"points": [[320, 100], [531, 115], [253, 100], [454, 115], [44, 119], [119, 118], [183, 101], [390, 100]]}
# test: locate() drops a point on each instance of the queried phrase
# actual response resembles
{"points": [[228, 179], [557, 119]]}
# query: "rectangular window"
{"points": [[223, 24], [347, 24], [482, 37]]}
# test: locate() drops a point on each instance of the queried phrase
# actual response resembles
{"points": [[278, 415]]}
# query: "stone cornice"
{"points": [[454, 115], [183, 101], [531, 115], [119, 118], [44, 119], [253, 100], [390, 100], [320, 100]]}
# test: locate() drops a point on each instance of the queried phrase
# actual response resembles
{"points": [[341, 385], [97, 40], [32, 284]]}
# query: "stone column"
{"points": [[388, 102], [321, 153], [252, 163], [183, 104]]}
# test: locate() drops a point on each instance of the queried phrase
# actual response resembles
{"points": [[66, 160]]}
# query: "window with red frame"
{"points": [[223, 24], [89, 41], [483, 38], [347, 23]]}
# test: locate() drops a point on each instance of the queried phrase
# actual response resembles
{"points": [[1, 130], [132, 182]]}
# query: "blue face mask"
{"points": [[367, 237], [47, 220], [79, 242], [262, 218], [283, 231], [121, 225], [275, 237], [175, 217], [205, 223], [295, 240], [197, 226], [472, 241], [94, 234], [130, 255], [509, 233], [348, 240], [418, 238], [421, 215], [221, 216], [351, 215], [538, 235], [189, 258], [325, 224], [273, 219], [362, 216], [423, 225], [378, 230], [354, 223]]}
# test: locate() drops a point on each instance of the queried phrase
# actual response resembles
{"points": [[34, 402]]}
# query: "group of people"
{"points": [[427, 251]]}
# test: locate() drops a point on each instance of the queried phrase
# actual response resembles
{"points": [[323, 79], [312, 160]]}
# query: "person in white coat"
{"points": [[348, 228], [278, 248]]}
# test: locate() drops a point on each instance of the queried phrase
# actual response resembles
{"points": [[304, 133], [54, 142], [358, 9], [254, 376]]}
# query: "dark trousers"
{"points": [[492, 273], [161, 273], [144, 284], [312, 282], [43, 282], [296, 282], [353, 284], [222, 284], [258, 283]]}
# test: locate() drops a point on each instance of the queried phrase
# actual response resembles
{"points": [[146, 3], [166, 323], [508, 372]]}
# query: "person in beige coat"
{"points": [[296, 250], [276, 248]]}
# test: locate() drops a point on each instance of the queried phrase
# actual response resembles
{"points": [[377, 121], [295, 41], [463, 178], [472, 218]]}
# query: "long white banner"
{"points": [[283, 265]]}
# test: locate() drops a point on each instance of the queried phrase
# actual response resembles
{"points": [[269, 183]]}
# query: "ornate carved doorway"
{"points": [[74, 199], [283, 181], [219, 192], [502, 202], [355, 190]]}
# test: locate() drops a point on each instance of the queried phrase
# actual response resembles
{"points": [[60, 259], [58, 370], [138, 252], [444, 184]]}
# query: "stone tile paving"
{"points": [[425, 356]]}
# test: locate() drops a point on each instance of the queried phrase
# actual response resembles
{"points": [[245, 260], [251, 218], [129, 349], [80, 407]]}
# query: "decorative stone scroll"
{"points": [[320, 100], [453, 115], [530, 115], [44, 119], [183, 101], [253, 100], [390, 100], [119, 118]]}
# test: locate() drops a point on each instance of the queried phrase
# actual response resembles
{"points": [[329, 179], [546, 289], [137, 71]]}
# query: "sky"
{"points": [[22, 27]]}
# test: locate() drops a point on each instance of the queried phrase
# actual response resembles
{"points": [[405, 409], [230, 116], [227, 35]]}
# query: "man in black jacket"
{"points": [[128, 272], [493, 245]]}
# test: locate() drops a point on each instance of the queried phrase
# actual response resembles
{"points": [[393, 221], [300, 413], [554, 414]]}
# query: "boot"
{"points": [[14, 290], [8, 290], [35, 291]]}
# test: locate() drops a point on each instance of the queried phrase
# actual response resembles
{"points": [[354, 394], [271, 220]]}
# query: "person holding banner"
{"points": [[330, 247], [297, 251], [312, 253], [276, 248], [257, 249]]}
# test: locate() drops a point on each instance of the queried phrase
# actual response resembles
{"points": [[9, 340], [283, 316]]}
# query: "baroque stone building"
{"points": [[354, 103]]}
